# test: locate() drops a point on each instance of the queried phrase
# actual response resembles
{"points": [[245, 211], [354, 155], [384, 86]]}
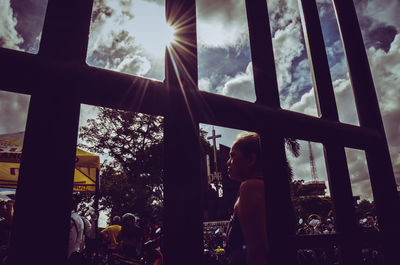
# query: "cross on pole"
{"points": [[214, 137]]}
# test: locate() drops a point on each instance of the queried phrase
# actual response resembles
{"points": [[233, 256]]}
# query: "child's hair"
{"points": [[249, 143]]}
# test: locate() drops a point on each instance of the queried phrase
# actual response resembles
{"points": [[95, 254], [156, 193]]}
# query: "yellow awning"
{"points": [[86, 165]]}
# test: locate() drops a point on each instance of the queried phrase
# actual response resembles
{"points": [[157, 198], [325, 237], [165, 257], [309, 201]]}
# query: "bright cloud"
{"points": [[359, 176], [9, 37], [386, 73], [14, 111], [287, 47], [204, 84], [126, 37], [345, 101], [241, 86], [306, 104]]}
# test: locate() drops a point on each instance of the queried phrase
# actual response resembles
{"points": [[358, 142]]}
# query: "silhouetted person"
{"points": [[131, 237], [246, 235]]}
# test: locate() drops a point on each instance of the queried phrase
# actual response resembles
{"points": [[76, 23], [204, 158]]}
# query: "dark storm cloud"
{"points": [[224, 61], [379, 21], [381, 37], [30, 16], [226, 10], [383, 11]]}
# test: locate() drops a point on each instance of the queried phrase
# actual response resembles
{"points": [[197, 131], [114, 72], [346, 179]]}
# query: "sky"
{"points": [[127, 36]]}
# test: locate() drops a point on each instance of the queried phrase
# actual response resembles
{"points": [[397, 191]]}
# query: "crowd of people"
{"points": [[215, 241], [315, 225], [6, 219], [124, 241]]}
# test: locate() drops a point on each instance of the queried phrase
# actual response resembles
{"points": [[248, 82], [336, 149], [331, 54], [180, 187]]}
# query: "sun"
{"points": [[168, 34], [157, 37], [150, 28]]}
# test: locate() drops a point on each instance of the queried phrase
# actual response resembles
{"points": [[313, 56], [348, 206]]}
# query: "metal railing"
{"points": [[59, 80]]}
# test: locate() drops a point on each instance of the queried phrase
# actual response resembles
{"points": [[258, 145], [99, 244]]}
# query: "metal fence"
{"points": [[59, 80]]}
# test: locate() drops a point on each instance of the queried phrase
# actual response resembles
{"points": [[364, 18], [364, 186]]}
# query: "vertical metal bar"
{"points": [[66, 29], [276, 180], [182, 182], [379, 163], [335, 157], [48, 159], [262, 54], [45, 180]]}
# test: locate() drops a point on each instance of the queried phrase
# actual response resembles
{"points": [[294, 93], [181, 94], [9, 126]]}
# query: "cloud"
{"points": [[30, 15], [126, 37], [221, 23], [379, 22], [115, 43], [282, 13], [386, 73], [339, 69], [287, 47], [300, 84], [227, 21], [9, 37], [301, 165], [359, 176], [87, 112], [292, 67], [383, 45], [306, 104], [205, 84], [14, 111], [385, 69], [382, 11], [345, 101], [241, 85], [358, 170]]}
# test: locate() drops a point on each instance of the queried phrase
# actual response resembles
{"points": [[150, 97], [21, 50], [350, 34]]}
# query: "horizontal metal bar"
{"points": [[238, 114], [23, 72], [122, 91], [369, 239], [315, 241]]}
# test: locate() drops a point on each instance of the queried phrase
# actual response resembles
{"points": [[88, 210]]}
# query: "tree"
{"points": [[132, 174], [307, 205], [365, 207], [293, 146]]}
